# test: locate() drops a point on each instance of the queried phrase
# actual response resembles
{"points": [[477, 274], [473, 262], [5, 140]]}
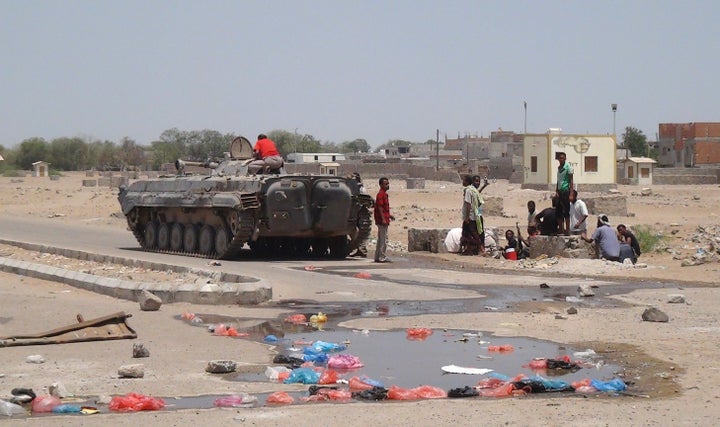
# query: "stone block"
{"points": [[415, 183], [427, 239], [547, 245], [54, 177], [104, 182], [493, 206], [117, 181], [89, 182], [89, 174], [611, 205]]}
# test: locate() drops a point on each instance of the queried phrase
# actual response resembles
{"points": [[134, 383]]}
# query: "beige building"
{"points": [[592, 157], [41, 168], [638, 170]]}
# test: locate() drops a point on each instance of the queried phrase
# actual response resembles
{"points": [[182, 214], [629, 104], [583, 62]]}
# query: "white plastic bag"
{"points": [[9, 409]]}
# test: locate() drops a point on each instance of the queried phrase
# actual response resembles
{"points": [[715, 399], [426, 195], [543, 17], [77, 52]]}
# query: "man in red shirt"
{"points": [[382, 220], [266, 154]]}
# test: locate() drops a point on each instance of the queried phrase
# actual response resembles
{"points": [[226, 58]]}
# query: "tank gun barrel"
{"points": [[180, 164]]}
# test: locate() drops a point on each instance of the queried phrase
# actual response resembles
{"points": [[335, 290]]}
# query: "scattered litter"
{"points": [[363, 275], [35, 358], [45, 403], [133, 402], [505, 348], [418, 334], [280, 398], [214, 263], [243, 400], [296, 319], [454, 369], [9, 409]]}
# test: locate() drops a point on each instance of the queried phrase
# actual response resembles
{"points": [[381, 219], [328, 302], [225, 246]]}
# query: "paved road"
{"points": [[406, 279]]}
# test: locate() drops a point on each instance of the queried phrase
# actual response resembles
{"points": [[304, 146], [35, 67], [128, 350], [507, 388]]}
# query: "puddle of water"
{"points": [[389, 357]]}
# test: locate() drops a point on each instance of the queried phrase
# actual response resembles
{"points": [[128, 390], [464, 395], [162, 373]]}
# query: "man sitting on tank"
{"points": [[266, 156]]}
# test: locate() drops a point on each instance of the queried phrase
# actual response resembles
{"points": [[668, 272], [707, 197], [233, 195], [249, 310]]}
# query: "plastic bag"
{"points": [[398, 393], [363, 275], [67, 408], [243, 400], [327, 347], [429, 392], [310, 355], [614, 384], [45, 403], [9, 409], [328, 376], [273, 372], [303, 375], [356, 384], [505, 348], [344, 361], [280, 398], [418, 334], [296, 318], [132, 402]]}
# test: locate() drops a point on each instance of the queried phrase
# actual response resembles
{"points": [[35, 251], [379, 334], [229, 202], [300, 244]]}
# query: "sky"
{"points": [[341, 70]]}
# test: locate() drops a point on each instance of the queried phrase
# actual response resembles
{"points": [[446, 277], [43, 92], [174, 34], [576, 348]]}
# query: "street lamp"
{"points": [[614, 110]]}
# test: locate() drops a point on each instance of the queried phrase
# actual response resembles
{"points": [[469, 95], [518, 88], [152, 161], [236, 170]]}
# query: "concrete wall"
{"points": [[535, 146], [686, 176], [615, 205]]}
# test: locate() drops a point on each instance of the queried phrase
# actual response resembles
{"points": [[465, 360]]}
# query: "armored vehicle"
{"points": [[276, 213]]}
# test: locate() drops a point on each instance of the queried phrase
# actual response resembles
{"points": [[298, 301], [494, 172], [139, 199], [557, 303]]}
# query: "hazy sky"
{"points": [[346, 69]]}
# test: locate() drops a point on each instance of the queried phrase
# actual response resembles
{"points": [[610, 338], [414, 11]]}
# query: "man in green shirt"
{"points": [[562, 192]]}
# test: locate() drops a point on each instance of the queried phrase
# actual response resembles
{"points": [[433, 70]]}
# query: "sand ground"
{"points": [[676, 361]]}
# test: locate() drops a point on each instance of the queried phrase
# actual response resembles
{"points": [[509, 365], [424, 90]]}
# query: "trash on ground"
{"points": [[133, 402], [418, 334], [454, 369], [111, 327]]}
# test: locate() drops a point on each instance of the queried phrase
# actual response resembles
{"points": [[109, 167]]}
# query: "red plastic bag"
{"points": [[296, 318], [45, 403], [505, 348], [328, 376], [356, 384], [132, 402], [506, 389], [280, 398], [538, 364], [363, 275], [398, 393], [418, 334], [430, 392]]}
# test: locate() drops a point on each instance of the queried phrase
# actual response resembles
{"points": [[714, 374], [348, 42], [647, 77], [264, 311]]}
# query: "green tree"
{"points": [[358, 145], [68, 154], [635, 141], [290, 142], [31, 150], [130, 154]]}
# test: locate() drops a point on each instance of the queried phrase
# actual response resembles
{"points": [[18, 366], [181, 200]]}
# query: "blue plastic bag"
{"points": [[67, 408], [303, 376], [327, 347], [615, 384]]}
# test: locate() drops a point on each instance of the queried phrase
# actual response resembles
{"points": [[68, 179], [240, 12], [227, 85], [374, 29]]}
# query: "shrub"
{"points": [[649, 238]]}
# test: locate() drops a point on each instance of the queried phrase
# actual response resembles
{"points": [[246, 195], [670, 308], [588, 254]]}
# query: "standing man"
{"points": [[361, 250], [480, 184], [578, 214], [266, 154], [531, 213], [608, 245], [562, 192], [382, 220], [471, 243]]}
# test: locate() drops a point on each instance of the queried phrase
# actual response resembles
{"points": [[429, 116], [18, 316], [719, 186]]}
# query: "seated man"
{"points": [[608, 245], [266, 155], [627, 237], [546, 221]]}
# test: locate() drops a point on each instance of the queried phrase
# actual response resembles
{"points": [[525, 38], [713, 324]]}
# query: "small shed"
{"points": [[329, 168], [41, 168], [639, 170]]}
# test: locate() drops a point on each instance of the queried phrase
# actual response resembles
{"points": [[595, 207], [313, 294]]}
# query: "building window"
{"points": [[316, 158], [333, 158], [591, 164], [631, 172], [644, 172], [533, 164]]}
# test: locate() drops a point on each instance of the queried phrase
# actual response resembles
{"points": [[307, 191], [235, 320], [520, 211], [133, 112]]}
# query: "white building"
{"points": [[41, 168], [639, 170], [315, 157], [592, 157]]}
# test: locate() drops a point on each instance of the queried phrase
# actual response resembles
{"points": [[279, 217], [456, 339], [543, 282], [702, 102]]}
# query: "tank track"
{"points": [[247, 228], [364, 227]]}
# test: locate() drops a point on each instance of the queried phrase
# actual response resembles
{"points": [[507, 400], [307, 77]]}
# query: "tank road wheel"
{"points": [[163, 238], [151, 233], [222, 241], [339, 247], [234, 221], [176, 237], [190, 239], [207, 240]]}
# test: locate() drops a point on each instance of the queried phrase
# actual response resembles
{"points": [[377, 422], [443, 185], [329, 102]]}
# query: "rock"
{"points": [[676, 299], [221, 366], [641, 265], [58, 390], [149, 301], [646, 191], [35, 358], [696, 197], [652, 314], [544, 286], [560, 317], [585, 291], [139, 350], [571, 310], [132, 371]]}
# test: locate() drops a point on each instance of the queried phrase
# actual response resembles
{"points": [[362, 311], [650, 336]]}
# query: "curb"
{"points": [[232, 288]]}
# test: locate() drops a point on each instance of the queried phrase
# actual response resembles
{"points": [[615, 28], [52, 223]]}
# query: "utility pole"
{"points": [[525, 127], [437, 149]]}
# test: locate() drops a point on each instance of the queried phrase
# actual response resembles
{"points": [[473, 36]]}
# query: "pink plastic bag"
{"points": [[45, 403], [344, 361]]}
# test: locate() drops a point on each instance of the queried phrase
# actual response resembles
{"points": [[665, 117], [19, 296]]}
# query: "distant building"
{"points": [[593, 158], [315, 157], [689, 144], [41, 168], [638, 170], [329, 168]]}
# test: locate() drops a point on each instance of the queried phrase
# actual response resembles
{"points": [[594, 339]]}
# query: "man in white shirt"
{"points": [[578, 214]]}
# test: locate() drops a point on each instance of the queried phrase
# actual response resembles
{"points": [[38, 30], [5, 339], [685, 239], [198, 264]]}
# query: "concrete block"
{"points": [[493, 206], [89, 182], [415, 183], [613, 205], [427, 239], [104, 182], [117, 181], [89, 174], [547, 245]]}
